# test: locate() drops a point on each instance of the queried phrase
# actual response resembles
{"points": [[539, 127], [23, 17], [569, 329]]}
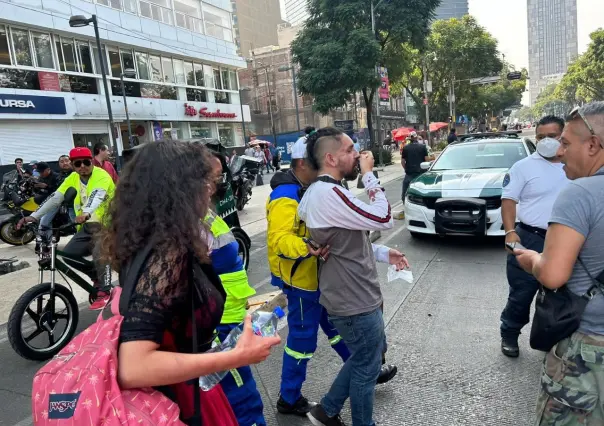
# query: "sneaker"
{"points": [[318, 417], [387, 373], [300, 408], [100, 302], [509, 346]]}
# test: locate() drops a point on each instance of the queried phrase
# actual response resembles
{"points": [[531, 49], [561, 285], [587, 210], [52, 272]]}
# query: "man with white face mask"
{"points": [[530, 189]]}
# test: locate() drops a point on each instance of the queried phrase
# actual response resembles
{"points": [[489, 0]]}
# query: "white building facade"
{"points": [[184, 82]]}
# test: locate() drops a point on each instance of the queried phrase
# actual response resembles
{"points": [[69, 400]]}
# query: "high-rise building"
{"points": [[296, 11], [452, 9], [255, 24], [552, 41]]}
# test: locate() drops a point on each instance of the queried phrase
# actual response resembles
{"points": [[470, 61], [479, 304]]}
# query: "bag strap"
{"points": [[129, 278], [196, 391], [598, 282]]}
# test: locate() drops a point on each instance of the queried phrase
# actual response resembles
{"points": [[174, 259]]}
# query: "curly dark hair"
{"points": [[162, 195]]}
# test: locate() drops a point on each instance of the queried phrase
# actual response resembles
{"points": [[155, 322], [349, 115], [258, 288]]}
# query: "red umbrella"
{"points": [[437, 126], [401, 133]]}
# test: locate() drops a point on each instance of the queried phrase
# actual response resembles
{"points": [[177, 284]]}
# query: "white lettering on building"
{"points": [[12, 103]]}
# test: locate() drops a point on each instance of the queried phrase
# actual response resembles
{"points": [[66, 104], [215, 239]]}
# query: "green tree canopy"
{"points": [[337, 51]]}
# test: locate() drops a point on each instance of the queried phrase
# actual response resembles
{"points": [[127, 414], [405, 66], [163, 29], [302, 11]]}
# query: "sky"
{"points": [[507, 21]]}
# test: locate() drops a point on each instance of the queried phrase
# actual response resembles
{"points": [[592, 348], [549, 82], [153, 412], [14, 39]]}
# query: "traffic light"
{"points": [[516, 75]]}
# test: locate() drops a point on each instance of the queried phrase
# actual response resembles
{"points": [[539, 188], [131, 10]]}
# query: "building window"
{"points": [[199, 75], [158, 10], [85, 57], [226, 134], [217, 22], [130, 6], [187, 14], [142, 65], [179, 71], [21, 47], [68, 61], [221, 98], [189, 73], [4, 47], [127, 60], [155, 67], [201, 130], [217, 80], [114, 62], [168, 70], [196, 95], [43, 50]]}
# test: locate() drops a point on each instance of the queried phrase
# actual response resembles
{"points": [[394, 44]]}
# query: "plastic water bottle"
{"points": [[265, 324]]}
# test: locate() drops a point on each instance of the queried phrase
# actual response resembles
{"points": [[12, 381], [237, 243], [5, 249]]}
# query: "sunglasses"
{"points": [[576, 112], [78, 163]]}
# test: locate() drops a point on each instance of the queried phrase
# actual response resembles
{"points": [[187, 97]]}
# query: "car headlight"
{"points": [[415, 199]]}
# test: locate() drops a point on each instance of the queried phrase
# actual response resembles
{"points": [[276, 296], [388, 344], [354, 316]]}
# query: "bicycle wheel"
{"points": [[26, 324]]}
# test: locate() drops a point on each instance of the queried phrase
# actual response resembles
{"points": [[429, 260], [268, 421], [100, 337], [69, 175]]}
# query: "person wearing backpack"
{"points": [[163, 192], [572, 263]]}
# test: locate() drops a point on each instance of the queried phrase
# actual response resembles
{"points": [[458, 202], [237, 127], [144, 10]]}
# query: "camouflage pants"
{"points": [[572, 381]]}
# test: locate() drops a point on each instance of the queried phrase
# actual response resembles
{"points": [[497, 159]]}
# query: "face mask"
{"points": [[548, 147]]}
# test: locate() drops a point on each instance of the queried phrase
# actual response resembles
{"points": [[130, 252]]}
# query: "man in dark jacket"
{"points": [[48, 182]]}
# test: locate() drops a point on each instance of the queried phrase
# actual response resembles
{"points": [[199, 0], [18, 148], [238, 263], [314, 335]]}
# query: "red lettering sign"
{"points": [[203, 112]]}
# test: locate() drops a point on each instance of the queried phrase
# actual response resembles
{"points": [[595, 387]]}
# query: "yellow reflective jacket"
{"points": [[229, 266], [290, 262]]}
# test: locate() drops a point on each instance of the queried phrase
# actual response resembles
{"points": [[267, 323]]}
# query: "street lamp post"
{"points": [[241, 90], [377, 94], [293, 70], [128, 72], [81, 21]]}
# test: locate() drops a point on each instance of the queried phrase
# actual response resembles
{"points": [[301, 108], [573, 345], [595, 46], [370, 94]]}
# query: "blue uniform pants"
{"points": [[240, 389], [523, 287], [304, 318]]}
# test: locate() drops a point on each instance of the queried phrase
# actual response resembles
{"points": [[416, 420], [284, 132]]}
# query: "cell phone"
{"points": [[313, 245], [512, 246]]}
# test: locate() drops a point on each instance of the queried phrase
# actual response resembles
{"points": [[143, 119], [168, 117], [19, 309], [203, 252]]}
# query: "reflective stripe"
{"points": [[223, 240], [335, 340], [298, 355]]}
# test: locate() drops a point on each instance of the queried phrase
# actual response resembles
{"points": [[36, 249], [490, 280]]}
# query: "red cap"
{"points": [[80, 152]]}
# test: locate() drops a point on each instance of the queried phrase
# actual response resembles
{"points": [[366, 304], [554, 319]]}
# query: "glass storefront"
{"points": [[226, 134], [89, 141], [201, 130]]}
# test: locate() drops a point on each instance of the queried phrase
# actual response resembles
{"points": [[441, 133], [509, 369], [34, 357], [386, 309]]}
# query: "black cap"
{"points": [[42, 166]]}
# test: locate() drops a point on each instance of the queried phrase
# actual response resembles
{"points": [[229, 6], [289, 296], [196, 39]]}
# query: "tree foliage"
{"points": [[459, 49], [337, 51]]}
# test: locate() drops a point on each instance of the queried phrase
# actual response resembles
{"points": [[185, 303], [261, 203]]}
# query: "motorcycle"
{"points": [[18, 200], [244, 170]]}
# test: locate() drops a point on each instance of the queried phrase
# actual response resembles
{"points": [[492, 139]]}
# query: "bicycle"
{"points": [[45, 295]]}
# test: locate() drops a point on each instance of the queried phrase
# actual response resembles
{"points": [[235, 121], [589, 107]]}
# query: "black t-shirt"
{"points": [[414, 155]]}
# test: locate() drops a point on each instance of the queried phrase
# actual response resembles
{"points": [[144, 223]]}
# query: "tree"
{"points": [[525, 114], [584, 80], [549, 103], [456, 49], [338, 53]]}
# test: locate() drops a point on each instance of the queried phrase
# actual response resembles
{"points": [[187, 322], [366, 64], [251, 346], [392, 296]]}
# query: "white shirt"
{"points": [[534, 183]]}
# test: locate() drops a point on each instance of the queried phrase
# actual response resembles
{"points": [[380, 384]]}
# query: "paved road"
{"points": [[442, 333]]}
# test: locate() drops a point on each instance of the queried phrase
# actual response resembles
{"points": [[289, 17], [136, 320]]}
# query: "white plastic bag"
{"points": [[403, 274]]}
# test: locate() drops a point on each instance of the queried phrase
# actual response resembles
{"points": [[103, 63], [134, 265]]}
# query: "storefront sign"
{"points": [[24, 104], [191, 111], [49, 81]]}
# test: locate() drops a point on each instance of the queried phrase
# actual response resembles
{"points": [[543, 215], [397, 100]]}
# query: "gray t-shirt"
{"points": [[580, 206]]}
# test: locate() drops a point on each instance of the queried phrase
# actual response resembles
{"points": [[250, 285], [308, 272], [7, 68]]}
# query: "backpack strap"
{"points": [[129, 276]]}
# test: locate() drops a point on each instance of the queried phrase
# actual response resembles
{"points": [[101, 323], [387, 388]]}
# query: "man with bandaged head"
{"points": [[530, 189]]}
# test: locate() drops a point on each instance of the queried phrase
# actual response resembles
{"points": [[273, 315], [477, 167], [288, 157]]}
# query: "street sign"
{"points": [[485, 80], [425, 101], [429, 86], [516, 75]]}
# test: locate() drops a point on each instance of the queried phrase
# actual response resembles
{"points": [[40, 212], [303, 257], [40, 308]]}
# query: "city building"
{"points": [[452, 9], [179, 57], [296, 11], [552, 41], [255, 24]]}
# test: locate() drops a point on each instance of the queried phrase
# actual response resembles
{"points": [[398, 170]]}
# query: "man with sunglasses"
{"points": [[573, 256], [93, 188], [530, 189]]}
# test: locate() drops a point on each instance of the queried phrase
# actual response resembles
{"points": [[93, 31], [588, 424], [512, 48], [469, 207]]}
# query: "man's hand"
{"points": [[82, 218], [398, 259], [512, 237], [25, 220], [527, 259], [366, 162], [322, 252]]}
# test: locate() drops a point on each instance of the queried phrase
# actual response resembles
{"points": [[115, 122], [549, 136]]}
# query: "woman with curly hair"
{"points": [[163, 192]]}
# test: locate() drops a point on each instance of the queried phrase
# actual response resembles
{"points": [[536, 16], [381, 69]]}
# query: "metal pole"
{"points": [[242, 117], [118, 160], [126, 109], [427, 106], [377, 97], [270, 104], [295, 98]]}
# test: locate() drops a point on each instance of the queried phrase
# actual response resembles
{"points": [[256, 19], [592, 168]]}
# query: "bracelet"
{"points": [[509, 232]]}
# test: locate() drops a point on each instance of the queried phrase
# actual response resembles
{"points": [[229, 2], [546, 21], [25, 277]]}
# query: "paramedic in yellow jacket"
{"points": [[239, 385], [293, 267]]}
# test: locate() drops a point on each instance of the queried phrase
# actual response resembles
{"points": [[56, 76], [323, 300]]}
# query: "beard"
{"points": [[354, 173]]}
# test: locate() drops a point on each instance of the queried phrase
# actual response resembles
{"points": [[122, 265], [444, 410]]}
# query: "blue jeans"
{"points": [[365, 338], [46, 220]]}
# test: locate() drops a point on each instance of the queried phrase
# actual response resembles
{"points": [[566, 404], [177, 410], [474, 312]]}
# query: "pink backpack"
{"points": [[79, 385]]}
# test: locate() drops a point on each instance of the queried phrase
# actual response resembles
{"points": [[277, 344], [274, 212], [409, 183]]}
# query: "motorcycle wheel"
{"points": [[20, 339], [240, 203], [10, 235], [244, 246]]}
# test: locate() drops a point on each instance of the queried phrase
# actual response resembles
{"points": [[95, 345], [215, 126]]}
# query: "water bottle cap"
{"points": [[279, 312]]}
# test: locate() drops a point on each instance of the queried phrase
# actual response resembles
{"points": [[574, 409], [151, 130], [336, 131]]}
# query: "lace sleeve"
{"points": [[161, 288]]}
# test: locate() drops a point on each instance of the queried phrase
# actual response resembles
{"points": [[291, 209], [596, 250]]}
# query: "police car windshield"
{"points": [[480, 155]]}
